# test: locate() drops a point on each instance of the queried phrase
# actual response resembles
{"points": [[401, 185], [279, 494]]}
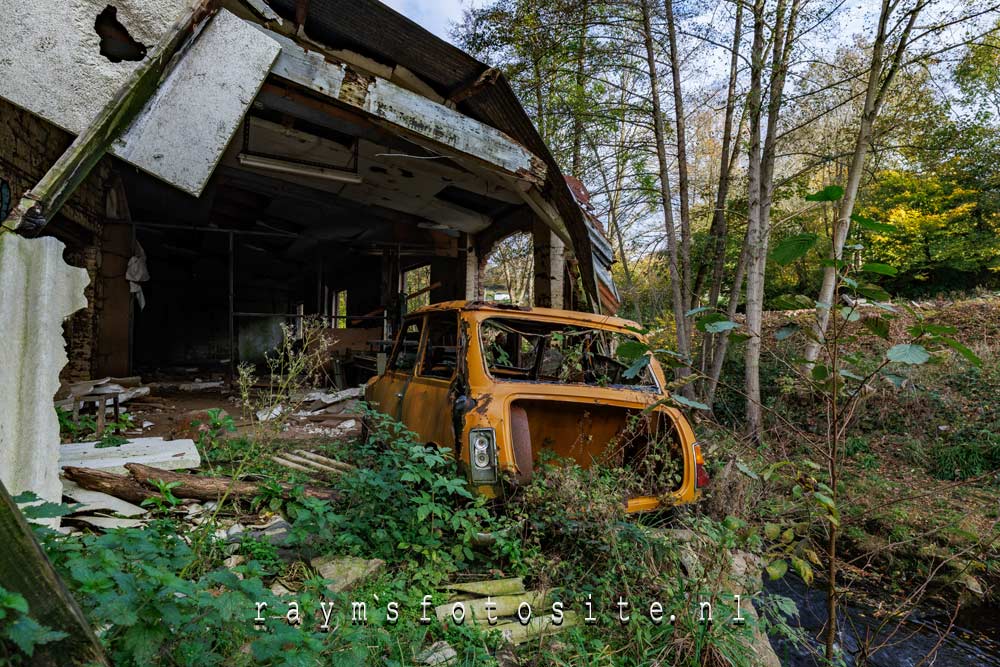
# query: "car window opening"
{"points": [[534, 351]]}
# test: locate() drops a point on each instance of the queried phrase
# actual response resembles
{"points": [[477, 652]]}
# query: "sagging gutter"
{"points": [[39, 205]]}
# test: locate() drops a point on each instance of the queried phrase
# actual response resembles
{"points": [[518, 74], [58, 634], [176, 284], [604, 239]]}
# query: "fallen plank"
{"points": [[293, 466], [333, 463], [108, 522], [538, 626], [489, 587], [95, 501], [157, 452], [212, 488], [505, 605], [119, 486], [310, 465]]}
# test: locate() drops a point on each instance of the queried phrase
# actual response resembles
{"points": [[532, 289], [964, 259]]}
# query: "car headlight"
{"points": [[483, 452]]}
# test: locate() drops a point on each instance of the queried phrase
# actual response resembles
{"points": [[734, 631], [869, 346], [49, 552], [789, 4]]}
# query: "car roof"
{"points": [[552, 314]]}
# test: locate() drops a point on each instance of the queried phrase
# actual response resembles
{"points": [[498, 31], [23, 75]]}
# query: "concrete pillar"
{"points": [[550, 266], [473, 270]]}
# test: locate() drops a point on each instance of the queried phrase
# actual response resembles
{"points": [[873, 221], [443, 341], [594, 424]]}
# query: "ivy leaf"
{"points": [[777, 569], [687, 402], [719, 327], [786, 331], [793, 247], [969, 355], [792, 302], [896, 380], [877, 325], [872, 225], [637, 367], [883, 269], [908, 353], [829, 193], [631, 349], [803, 568], [826, 501]]}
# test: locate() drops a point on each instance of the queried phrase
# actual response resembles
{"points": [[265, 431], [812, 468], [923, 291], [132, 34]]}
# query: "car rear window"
{"points": [[525, 350]]}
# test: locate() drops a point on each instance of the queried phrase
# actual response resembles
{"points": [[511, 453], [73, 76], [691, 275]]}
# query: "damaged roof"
{"points": [[372, 29]]}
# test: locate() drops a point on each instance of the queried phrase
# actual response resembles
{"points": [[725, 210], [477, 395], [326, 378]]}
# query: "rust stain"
{"points": [[354, 89]]}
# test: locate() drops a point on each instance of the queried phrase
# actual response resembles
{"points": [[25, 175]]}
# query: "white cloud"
{"points": [[434, 15]]}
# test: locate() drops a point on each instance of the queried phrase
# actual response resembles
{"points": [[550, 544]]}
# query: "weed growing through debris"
{"points": [[19, 633], [434, 517], [296, 361]]}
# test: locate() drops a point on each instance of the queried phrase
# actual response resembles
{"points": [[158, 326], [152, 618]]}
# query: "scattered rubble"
{"points": [[165, 454], [505, 597], [438, 653], [346, 572]]}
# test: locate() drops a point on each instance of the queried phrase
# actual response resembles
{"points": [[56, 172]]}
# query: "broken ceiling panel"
{"points": [[58, 60], [181, 133], [31, 357]]}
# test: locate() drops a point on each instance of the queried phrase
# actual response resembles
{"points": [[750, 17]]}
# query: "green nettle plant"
{"points": [[19, 633], [403, 500], [850, 368]]}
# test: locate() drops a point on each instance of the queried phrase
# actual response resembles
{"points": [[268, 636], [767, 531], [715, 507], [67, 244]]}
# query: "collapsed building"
{"points": [[288, 159]]}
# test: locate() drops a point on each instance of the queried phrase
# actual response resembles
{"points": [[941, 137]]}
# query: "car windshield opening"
{"points": [[535, 351]]}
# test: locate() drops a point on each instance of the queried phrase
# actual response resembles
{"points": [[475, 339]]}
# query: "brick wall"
{"points": [[28, 147]]}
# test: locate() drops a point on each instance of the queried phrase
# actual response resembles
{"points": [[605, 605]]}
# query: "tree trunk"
{"points": [[880, 78], [577, 164], [755, 280], [683, 185], [676, 280], [719, 228], [784, 38], [194, 487], [25, 569], [118, 486]]}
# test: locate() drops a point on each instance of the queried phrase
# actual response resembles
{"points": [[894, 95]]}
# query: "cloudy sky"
{"points": [[435, 15]]}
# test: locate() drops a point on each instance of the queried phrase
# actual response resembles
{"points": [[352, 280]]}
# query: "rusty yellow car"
{"points": [[501, 385]]}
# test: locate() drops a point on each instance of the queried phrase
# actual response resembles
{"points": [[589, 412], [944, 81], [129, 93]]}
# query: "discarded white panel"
{"points": [[181, 133], [42, 290], [51, 64], [109, 523], [155, 452], [95, 501]]}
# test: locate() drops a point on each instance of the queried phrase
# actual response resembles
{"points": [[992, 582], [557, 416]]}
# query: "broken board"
{"points": [[155, 452], [51, 64], [95, 501]]}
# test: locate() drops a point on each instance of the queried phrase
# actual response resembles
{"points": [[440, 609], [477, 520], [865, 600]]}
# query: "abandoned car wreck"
{"points": [[275, 163]]}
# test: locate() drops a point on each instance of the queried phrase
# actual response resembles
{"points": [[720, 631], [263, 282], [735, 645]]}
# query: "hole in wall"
{"points": [[116, 42]]}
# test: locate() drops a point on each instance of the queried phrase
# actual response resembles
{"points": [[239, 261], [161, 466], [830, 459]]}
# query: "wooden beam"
{"points": [[38, 206], [404, 112], [472, 88], [25, 569]]}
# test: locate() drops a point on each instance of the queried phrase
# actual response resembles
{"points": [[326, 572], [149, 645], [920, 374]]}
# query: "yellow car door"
{"points": [[386, 392], [427, 401]]}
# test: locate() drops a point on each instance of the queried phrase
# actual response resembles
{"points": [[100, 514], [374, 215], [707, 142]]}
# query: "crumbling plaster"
{"points": [[31, 356], [50, 54]]}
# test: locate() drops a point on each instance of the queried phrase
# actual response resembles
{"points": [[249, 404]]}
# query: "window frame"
{"points": [[425, 343], [397, 348]]}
